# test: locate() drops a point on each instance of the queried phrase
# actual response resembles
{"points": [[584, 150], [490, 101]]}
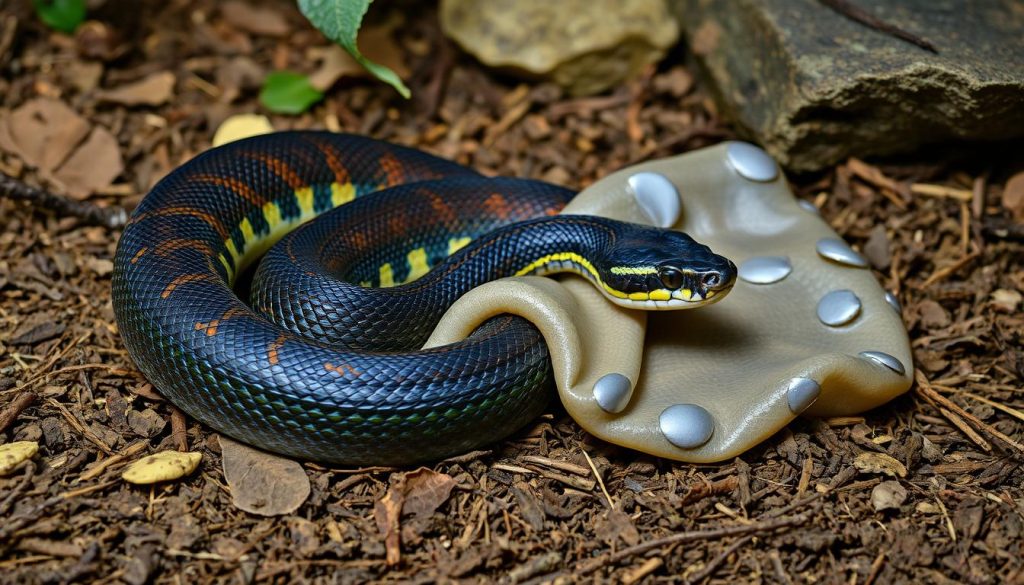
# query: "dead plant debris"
{"points": [[926, 489]]}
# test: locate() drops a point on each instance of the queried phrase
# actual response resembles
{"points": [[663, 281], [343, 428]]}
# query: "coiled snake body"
{"points": [[328, 365]]}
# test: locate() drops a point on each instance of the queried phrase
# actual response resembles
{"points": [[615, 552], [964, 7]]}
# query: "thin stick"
{"points": [[15, 408], [711, 567], [110, 217], [925, 387], [943, 273], [597, 476], [179, 430], [859, 15], [740, 530]]}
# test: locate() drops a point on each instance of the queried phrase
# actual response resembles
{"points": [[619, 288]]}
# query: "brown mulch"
{"points": [[938, 230]]}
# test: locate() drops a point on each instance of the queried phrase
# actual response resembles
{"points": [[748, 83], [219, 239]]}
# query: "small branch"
{"points": [[859, 15], [15, 408], [711, 567], [110, 217], [741, 530]]}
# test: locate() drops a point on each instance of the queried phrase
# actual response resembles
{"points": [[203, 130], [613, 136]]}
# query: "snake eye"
{"points": [[671, 278]]}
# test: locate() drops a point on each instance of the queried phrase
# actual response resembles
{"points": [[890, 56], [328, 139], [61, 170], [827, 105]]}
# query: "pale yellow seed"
{"points": [[12, 454], [162, 466]]}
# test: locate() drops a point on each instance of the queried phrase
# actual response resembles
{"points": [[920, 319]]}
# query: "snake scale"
{"points": [[325, 363]]}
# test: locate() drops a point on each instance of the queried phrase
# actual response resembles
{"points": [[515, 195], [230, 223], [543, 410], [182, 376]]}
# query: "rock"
{"points": [[814, 87], [586, 46]]}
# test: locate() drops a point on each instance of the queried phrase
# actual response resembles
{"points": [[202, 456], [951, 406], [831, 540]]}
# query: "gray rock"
{"points": [[586, 46], [814, 87]]}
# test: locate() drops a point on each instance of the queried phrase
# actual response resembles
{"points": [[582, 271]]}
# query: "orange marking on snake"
{"points": [[199, 214], [236, 186], [185, 279], [279, 168], [360, 241], [166, 247], [497, 206], [211, 327], [139, 254], [442, 210], [393, 171], [273, 349], [341, 369], [334, 162]]}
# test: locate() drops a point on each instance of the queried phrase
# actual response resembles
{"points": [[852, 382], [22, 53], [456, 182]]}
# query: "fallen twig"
{"points": [[857, 14], [711, 567], [15, 408], [111, 217], [924, 388], [740, 530]]}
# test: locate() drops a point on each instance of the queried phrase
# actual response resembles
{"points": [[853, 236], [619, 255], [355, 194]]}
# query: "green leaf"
{"points": [[339, 20], [286, 92], [61, 15]]}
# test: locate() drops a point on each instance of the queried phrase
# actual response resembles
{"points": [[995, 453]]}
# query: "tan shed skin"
{"points": [[736, 358]]}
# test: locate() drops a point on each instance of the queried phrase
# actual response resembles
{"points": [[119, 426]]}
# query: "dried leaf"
{"points": [[152, 90], [12, 454], [255, 19], [241, 126], [617, 525], [880, 463], [418, 493], [93, 166], [162, 466], [425, 491], [261, 483], [43, 132], [387, 512], [335, 63], [1013, 196], [1005, 300], [888, 495]]}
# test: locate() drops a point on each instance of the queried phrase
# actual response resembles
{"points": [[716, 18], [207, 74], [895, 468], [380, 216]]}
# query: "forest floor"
{"points": [[794, 509]]}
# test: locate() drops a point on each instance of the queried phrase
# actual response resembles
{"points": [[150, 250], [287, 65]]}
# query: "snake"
{"points": [[325, 360]]}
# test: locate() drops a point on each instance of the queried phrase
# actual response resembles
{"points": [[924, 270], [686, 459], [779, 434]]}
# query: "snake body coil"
{"points": [[336, 374]]}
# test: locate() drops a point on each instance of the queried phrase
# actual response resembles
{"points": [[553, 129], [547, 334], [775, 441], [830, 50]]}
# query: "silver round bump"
{"points": [[893, 302], [686, 426], [802, 393], [885, 360], [612, 392], [657, 197], [837, 251], [808, 206], [765, 269], [751, 162], [838, 307]]}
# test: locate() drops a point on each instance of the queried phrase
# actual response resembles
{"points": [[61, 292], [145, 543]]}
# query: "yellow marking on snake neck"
{"points": [[304, 197], [342, 193], [633, 270], [584, 266], [417, 264], [247, 232], [456, 244], [272, 213], [387, 275]]}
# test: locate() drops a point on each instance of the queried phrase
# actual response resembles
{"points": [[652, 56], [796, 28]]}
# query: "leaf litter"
{"points": [[520, 508]]}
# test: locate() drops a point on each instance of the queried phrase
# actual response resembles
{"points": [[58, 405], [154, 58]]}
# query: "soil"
{"points": [[815, 503]]}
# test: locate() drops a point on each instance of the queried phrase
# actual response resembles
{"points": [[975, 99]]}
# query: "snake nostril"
{"points": [[712, 280]]}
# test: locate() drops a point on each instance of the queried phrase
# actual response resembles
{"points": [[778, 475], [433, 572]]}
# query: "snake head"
{"points": [[656, 269]]}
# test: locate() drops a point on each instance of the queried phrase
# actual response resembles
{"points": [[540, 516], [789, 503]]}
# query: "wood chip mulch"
{"points": [[551, 503]]}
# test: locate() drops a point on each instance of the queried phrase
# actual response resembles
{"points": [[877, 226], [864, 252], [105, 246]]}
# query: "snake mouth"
{"points": [[671, 300]]}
